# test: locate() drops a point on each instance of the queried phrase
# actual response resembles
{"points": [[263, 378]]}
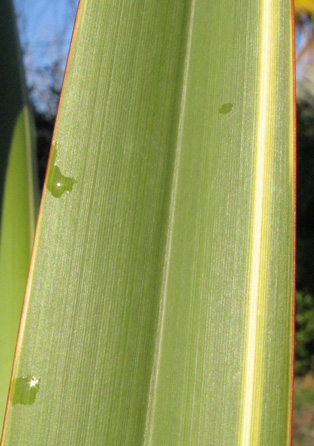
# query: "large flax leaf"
{"points": [[17, 193], [159, 304]]}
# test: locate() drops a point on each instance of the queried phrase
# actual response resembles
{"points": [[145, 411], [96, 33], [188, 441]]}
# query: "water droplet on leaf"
{"points": [[24, 390], [226, 108], [57, 183]]}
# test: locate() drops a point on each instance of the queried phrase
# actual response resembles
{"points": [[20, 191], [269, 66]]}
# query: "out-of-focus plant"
{"points": [[304, 6], [305, 50], [304, 333], [18, 192]]}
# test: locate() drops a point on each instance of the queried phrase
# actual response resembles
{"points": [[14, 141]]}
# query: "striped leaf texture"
{"points": [[159, 307]]}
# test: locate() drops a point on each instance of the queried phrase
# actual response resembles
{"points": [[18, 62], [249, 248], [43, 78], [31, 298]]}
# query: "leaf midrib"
{"points": [[152, 395]]}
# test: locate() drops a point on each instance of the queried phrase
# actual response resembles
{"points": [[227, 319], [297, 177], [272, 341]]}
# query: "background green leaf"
{"points": [[17, 193]]}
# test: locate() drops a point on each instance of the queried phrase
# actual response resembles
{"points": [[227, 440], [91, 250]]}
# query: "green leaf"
{"points": [[17, 194], [159, 305]]}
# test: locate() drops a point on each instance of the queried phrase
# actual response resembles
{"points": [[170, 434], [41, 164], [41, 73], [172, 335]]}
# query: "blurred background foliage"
{"points": [[304, 332], [305, 197]]}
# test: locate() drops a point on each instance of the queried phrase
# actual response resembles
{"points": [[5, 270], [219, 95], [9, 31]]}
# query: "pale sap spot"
{"points": [[24, 390], [57, 183], [226, 108]]}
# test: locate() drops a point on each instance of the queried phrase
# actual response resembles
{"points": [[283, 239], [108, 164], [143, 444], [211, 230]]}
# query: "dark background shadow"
{"points": [[13, 98]]}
